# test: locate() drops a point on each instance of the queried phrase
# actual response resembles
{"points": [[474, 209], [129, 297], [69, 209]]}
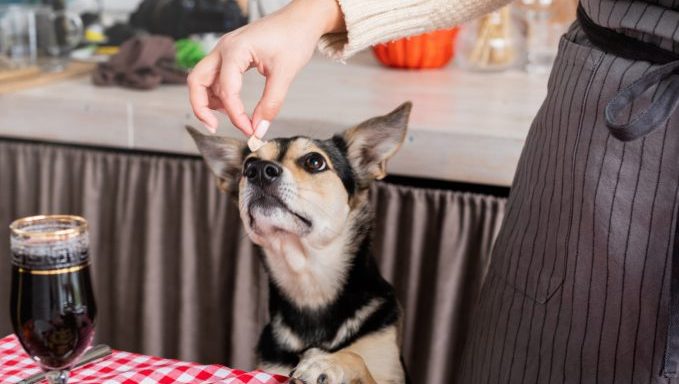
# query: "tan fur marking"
{"points": [[285, 336], [268, 152], [372, 359], [354, 323]]}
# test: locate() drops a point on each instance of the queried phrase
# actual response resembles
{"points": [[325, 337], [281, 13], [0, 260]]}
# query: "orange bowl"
{"points": [[429, 50]]}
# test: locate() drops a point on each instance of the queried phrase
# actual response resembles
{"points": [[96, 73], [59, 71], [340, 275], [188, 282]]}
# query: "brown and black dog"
{"points": [[334, 319]]}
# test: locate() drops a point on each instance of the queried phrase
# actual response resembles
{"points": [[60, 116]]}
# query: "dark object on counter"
{"points": [[119, 33], [60, 21], [142, 63], [90, 18], [180, 18], [57, 5]]}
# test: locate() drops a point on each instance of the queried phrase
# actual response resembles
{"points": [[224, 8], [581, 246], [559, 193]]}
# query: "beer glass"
{"points": [[59, 32], [52, 304]]}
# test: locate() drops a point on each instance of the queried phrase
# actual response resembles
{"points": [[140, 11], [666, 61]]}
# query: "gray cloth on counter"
{"points": [[142, 62], [175, 275]]}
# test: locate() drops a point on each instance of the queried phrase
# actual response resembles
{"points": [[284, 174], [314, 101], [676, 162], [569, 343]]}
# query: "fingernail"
{"points": [[261, 129]]}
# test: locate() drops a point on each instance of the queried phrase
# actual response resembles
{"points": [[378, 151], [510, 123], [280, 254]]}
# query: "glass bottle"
{"points": [[493, 42]]}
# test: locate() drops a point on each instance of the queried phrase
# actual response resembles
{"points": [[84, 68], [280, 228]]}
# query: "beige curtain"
{"points": [[176, 277]]}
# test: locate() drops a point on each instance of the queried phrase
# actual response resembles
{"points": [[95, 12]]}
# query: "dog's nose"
{"points": [[263, 172]]}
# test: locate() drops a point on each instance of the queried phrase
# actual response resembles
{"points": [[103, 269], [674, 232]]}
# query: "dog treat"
{"points": [[254, 143]]}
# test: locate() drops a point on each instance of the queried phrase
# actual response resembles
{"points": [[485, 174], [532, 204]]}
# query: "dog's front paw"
{"points": [[318, 367]]}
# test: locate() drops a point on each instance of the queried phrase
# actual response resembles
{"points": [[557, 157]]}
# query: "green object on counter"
{"points": [[189, 53]]}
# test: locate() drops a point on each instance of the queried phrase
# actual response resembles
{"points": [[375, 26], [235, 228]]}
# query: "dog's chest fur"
{"points": [[365, 303]]}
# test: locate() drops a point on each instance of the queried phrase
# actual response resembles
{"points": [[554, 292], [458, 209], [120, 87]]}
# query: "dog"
{"points": [[333, 317]]}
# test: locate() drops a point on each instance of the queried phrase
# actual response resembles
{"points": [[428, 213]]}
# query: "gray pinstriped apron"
{"points": [[579, 285]]}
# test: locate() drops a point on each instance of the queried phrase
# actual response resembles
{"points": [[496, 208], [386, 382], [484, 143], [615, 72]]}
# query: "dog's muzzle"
{"points": [[265, 180]]}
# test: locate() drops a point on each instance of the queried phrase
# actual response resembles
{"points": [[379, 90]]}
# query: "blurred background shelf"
{"points": [[17, 80], [465, 127]]}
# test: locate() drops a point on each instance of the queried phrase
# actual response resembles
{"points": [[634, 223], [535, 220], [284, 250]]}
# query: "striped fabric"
{"points": [[579, 285], [654, 21]]}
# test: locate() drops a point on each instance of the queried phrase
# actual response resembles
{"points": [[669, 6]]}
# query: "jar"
{"points": [[493, 42]]}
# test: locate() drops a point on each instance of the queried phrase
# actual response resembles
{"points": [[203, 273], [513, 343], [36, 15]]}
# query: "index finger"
{"points": [[230, 84], [200, 79]]}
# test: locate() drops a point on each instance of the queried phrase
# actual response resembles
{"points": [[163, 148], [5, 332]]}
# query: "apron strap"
{"points": [[657, 113], [660, 110]]}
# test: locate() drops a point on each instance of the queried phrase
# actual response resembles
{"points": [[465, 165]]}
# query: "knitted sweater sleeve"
{"points": [[371, 22]]}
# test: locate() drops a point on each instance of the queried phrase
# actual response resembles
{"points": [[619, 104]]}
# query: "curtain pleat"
{"points": [[175, 275]]}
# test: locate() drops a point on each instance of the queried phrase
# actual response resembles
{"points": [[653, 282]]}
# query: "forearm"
{"points": [[316, 17], [369, 22]]}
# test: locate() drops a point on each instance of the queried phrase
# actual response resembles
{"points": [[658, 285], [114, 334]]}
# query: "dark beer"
{"points": [[52, 304], [53, 314]]}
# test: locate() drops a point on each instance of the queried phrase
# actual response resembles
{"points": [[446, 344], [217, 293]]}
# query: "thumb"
{"points": [[275, 90]]}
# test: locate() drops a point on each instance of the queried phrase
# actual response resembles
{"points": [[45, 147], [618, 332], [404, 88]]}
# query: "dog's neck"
{"points": [[310, 275]]}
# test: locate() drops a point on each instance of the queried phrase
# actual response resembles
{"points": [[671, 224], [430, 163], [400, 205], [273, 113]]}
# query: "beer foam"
{"points": [[43, 245]]}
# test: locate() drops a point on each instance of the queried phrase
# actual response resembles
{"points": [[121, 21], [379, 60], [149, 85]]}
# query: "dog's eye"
{"points": [[314, 162]]}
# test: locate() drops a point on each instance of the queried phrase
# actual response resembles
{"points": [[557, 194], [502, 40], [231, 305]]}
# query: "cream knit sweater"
{"points": [[374, 21]]}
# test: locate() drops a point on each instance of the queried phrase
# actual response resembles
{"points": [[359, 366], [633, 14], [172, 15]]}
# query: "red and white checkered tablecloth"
{"points": [[129, 368]]}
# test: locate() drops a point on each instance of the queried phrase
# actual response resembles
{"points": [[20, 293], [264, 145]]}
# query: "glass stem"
{"points": [[57, 377]]}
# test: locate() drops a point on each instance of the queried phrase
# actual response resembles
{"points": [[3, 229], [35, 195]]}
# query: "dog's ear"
{"points": [[223, 155], [371, 143]]}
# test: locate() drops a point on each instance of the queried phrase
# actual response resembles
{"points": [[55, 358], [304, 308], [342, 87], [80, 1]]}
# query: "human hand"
{"points": [[278, 45]]}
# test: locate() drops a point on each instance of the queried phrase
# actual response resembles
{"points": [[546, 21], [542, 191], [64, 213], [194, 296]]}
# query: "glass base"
{"points": [[57, 377]]}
